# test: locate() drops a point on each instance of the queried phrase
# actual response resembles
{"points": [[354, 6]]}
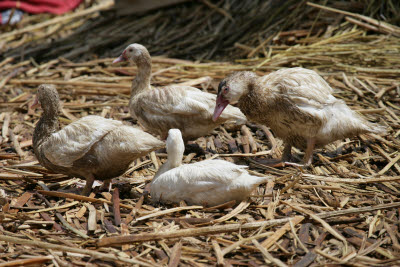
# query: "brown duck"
{"points": [[297, 104], [182, 107], [90, 148]]}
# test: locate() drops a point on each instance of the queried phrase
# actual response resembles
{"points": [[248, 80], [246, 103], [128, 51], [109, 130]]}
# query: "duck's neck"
{"points": [[142, 79], [47, 125], [248, 100], [174, 160]]}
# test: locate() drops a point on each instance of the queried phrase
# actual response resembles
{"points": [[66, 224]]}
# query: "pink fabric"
{"points": [[41, 6]]}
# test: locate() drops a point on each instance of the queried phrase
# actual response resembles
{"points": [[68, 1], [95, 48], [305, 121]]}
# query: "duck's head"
{"points": [[231, 89], [175, 143], [134, 53], [47, 97]]}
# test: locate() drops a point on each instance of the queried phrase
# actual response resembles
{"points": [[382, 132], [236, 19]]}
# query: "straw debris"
{"points": [[344, 209]]}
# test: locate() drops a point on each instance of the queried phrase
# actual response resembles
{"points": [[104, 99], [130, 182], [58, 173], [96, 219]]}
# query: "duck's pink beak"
{"points": [[35, 103], [220, 105], [121, 58]]}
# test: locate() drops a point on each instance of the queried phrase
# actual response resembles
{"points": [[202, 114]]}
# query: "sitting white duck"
{"points": [[90, 148], [208, 182]]}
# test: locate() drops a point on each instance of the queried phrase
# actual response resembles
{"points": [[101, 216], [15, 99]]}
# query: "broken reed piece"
{"points": [[208, 230], [383, 91], [116, 205], [16, 145], [349, 84], [246, 132]]}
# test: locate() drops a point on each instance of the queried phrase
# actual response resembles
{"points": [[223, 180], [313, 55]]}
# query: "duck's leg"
{"points": [[287, 153], [89, 184], [308, 156]]}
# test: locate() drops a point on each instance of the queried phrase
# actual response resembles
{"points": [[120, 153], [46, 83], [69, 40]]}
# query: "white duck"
{"points": [[183, 107], [90, 148], [208, 182], [297, 104]]}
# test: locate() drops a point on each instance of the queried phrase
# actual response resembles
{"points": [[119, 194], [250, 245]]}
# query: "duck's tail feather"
{"points": [[261, 180], [344, 122], [376, 128]]}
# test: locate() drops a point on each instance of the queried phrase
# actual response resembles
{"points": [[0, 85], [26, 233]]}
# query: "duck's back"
{"points": [[116, 151], [298, 83], [76, 139], [209, 182], [182, 107], [95, 145]]}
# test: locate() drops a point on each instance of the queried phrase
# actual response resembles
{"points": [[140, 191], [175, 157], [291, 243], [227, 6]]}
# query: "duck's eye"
{"points": [[226, 89], [130, 49]]}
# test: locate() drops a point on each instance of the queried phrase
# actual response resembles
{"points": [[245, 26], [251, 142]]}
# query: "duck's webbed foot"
{"points": [[287, 157], [106, 185], [307, 159], [285, 161]]}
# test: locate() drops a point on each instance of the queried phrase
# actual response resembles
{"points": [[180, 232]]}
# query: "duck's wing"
{"points": [[303, 94], [75, 140], [181, 100], [302, 86], [133, 139], [197, 100], [184, 101], [205, 102]]}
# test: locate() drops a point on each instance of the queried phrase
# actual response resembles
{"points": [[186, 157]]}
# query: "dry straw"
{"points": [[344, 209]]}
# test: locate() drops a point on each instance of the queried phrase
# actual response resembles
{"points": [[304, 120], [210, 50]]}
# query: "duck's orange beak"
{"points": [[220, 105], [35, 103]]}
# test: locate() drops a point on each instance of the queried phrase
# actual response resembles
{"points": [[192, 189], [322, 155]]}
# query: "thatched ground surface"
{"points": [[344, 209]]}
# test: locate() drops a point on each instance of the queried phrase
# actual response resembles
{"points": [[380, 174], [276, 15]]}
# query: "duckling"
{"points": [[297, 104], [90, 148], [183, 107], [208, 182]]}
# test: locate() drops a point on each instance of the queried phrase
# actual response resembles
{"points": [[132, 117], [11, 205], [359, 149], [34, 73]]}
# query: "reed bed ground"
{"points": [[343, 210]]}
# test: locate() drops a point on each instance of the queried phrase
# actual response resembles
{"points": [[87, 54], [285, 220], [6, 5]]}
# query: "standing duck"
{"points": [[297, 104], [183, 107], [90, 148], [208, 182]]}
